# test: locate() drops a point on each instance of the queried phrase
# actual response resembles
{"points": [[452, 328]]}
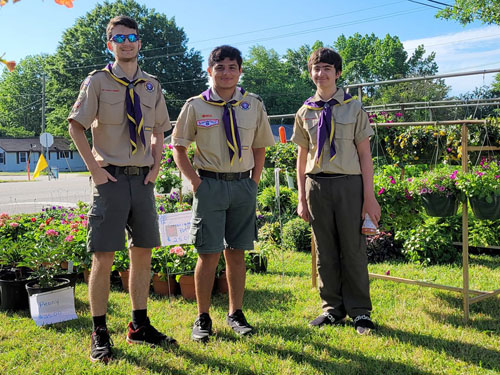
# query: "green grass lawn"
{"points": [[419, 330]]}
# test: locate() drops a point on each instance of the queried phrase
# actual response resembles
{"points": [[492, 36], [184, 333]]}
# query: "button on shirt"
{"points": [[202, 123], [101, 107], [351, 127]]}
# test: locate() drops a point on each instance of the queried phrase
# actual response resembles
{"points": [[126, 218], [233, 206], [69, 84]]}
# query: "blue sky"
{"points": [[35, 26]]}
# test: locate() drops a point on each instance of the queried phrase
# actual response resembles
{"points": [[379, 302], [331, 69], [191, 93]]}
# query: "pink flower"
{"points": [[170, 147], [497, 176], [14, 225], [4, 215], [42, 226], [51, 232], [82, 216], [177, 250], [69, 238], [381, 191], [453, 176], [398, 114], [84, 223], [393, 181], [424, 191], [388, 272], [441, 188], [73, 225]]}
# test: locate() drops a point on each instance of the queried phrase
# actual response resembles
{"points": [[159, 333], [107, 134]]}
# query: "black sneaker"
{"points": [[239, 324], [326, 319], [147, 334], [202, 328], [100, 345], [363, 324]]}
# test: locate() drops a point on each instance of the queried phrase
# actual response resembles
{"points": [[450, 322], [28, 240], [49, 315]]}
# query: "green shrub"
{"points": [[283, 155], [270, 233], [267, 202], [431, 242], [297, 235]]}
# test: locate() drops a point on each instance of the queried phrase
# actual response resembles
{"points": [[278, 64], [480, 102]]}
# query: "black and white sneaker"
{"points": [[239, 324], [326, 319], [363, 324], [202, 328], [100, 345]]}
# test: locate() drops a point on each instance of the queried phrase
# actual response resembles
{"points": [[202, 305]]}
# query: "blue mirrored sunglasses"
{"points": [[120, 38]]}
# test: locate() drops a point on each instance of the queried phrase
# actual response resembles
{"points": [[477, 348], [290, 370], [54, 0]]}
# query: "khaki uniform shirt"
{"points": [[101, 107], [202, 123], [351, 127]]}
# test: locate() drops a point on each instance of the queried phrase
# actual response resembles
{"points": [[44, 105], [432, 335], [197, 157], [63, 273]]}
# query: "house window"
{"points": [[23, 157], [64, 154], [2, 157]]}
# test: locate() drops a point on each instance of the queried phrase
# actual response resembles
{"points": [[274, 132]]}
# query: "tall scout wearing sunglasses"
{"points": [[126, 112], [231, 130], [335, 184]]}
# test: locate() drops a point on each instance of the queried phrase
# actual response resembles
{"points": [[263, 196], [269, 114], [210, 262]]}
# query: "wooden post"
{"points": [[465, 228], [314, 267]]}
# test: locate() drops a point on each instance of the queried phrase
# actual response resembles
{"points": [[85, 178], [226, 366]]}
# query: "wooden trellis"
{"points": [[470, 296]]}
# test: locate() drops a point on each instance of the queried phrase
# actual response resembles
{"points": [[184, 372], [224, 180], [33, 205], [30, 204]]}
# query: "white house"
{"points": [[15, 153]]}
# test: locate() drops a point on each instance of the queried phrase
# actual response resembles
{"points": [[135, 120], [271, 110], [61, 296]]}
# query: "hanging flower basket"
{"points": [[485, 210], [438, 205]]}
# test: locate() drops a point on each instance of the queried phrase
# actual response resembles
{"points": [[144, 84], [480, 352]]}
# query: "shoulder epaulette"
{"points": [[192, 98], [255, 96], [150, 75]]}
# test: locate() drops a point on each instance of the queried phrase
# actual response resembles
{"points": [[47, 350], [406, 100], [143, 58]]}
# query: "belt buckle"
{"points": [[229, 176], [131, 171]]}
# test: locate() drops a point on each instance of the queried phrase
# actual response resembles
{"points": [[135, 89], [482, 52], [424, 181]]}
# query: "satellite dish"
{"points": [[46, 139]]}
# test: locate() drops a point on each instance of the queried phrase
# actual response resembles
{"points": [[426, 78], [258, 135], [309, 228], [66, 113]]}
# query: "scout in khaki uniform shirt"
{"points": [[125, 109], [335, 182], [231, 131]]}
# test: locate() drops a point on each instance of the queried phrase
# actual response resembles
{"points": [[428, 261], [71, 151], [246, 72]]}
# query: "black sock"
{"points": [[99, 321], [139, 317]]}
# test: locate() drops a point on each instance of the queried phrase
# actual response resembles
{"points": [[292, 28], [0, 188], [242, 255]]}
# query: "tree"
{"points": [[280, 82], [467, 11], [21, 98], [164, 53]]}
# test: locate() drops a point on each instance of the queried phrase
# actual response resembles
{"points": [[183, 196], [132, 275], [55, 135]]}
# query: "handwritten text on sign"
{"points": [[174, 228], [53, 307]]}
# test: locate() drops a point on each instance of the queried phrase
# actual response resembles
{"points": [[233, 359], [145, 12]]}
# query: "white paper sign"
{"points": [[53, 307], [174, 228]]}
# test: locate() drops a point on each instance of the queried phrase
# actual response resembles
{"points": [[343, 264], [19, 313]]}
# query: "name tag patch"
{"points": [[207, 123]]}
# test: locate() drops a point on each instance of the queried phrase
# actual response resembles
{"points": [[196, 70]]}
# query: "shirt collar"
{"points": [[338, 96], [236, 95], [117, 71]]}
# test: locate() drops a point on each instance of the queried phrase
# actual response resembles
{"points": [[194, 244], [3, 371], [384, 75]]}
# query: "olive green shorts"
{"points": [[224, 215], [128, 205]]}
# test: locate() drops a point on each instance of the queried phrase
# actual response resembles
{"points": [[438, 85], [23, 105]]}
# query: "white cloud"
{"points": [[464, 51]]}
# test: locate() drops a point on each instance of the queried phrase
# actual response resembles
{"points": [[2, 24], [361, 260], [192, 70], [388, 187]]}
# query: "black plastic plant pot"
{"points": [[13, 295], [484, 210], [33, 288], [440, 206]]}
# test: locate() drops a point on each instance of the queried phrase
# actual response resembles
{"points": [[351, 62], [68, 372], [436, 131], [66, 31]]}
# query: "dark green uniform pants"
{"points": [[335, 204]]}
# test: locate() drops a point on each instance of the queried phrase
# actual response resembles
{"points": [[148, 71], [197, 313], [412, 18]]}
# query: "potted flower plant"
{"points": [[13, 277], [43, 257], [121, 264], [183, 264], [438, 192], [482, 186], [162, 264]]}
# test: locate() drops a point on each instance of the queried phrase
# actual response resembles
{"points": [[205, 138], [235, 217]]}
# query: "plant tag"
{"points": [[53, 307]]}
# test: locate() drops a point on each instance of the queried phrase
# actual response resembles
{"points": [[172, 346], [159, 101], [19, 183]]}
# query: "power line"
{"points": [[427, 5]]}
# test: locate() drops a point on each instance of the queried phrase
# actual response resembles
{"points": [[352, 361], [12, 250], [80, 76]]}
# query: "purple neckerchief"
{"points": [[325, 123], [229, 120], [134, 112]]}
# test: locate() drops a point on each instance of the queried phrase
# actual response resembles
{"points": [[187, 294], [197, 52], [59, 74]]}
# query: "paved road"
{"points": [[32, 196]]}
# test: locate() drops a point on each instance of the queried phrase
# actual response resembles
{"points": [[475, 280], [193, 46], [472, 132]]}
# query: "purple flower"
{"points": [[441, 188], [424, 191], [162, 209], [169, 160]]}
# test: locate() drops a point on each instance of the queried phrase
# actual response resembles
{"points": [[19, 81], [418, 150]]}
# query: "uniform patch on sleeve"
{"points": [[207, 123]]}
